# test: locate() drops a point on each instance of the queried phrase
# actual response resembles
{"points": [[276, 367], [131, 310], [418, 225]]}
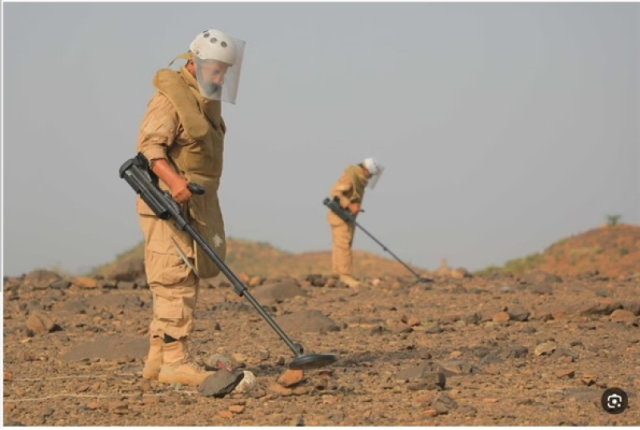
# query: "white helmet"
{"points": [[218, 61], [214, 45], [375, 169]]}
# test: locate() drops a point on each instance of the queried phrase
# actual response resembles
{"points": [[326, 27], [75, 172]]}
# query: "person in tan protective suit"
{"points": [[182, 135], [349, 189]]}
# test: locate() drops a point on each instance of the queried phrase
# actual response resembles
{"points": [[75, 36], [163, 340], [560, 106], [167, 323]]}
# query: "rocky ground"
{"points": [[462, 350]]}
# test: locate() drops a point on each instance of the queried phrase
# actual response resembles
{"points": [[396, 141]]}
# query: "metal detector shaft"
{"points": [[140, 177], [239, 287], [386, 249], [334, 205]]}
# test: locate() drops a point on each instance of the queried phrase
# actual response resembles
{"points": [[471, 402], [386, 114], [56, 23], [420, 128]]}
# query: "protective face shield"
{"points": [[218, 62], [375, 170]]}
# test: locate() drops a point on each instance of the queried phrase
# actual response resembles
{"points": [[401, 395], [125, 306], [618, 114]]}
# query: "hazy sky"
{"points": [[502, 127]]}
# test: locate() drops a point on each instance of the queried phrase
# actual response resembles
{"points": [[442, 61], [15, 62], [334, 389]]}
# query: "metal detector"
{"points": [[144, 182], [334, 205]]}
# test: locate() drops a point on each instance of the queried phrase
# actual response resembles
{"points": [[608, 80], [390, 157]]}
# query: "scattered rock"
{"points": [[501, 317], [218, 361], [428, 381], [301, 391], [365, 322], [565, 373], [448, 319], [312, 321], [107, 284], [604, 307], [445, 400], [545, 348], [633, 307], [220, 383], [518, 351], [400, 328], [126, 285], [61, 284], [277, 291], [290, 378], [560, 353], [541, 289], [85, 282], [119, 407], [441, 408], [518, 313], [317, 280], [459, 367], [236, 409], [473, 319], [487, 359], [434, 329], [413, 321], [280, 390], [40, 324], [622, 316], [460, 273], [40, 279], [255, 281], [423, 377], [467, 410], [247, 383]]}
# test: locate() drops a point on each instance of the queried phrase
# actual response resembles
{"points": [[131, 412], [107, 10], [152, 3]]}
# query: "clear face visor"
{"points": [[373, 180], [218, 80]]}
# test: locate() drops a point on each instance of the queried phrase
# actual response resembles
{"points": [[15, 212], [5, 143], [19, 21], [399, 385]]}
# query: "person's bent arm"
{"points": [[158, 130], [341, 189]]}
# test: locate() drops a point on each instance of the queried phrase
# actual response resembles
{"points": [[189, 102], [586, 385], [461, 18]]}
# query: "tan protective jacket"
{"points": [[349, 189], [187, 130]]}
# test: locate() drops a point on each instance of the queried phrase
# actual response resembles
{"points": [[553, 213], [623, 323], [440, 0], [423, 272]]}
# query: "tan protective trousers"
{"points": [[341, 258], [172, 282]]}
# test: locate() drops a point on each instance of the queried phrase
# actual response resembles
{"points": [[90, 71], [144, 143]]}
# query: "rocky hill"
{"points": [[264, 260], [612, 250]]}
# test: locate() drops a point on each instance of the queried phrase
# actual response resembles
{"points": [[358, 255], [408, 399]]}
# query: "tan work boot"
{"points": [[179, 367], [350, 281], [154, 359]]}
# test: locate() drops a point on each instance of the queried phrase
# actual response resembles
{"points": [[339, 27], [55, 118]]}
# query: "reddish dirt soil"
{"points": [[535, 348], [609, 250]]}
